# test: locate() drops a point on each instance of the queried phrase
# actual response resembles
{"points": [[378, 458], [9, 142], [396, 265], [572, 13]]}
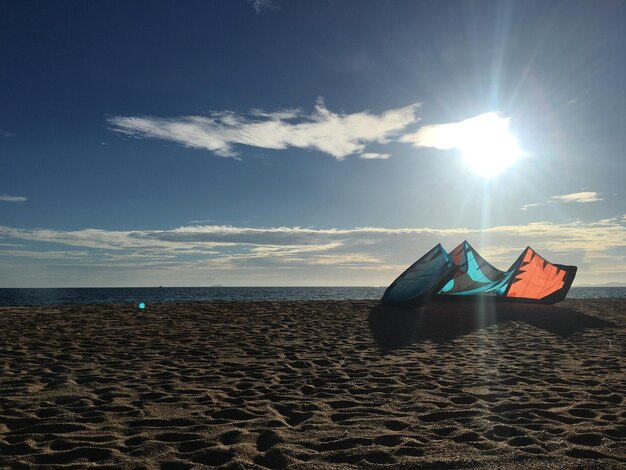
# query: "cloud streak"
{"points": [[259, 5], [373, 155], [335, 134], [583, 197], [606, 233], [44, 254], [525, 207], [7, 198], [190, 255]]}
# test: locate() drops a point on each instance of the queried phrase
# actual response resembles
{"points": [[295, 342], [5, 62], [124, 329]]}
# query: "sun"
{"points": [[487, 145]]}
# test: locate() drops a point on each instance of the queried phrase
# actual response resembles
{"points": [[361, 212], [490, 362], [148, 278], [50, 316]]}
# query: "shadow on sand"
{"points": [[394, 328]]}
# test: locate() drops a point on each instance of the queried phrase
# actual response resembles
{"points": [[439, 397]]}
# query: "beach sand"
{"points": [[315, 385]]}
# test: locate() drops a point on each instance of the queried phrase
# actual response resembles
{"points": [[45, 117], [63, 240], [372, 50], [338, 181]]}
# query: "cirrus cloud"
{"points": [[336, 134], [581, 198], [8, 198], [586, 196], [259, 5], [373, 155], [297, 255]]}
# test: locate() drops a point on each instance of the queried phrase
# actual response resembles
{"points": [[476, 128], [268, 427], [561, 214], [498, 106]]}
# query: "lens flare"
{"points": [[487, 145]]}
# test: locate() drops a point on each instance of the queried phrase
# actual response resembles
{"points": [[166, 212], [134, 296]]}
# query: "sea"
{"points": [[158, 295]]}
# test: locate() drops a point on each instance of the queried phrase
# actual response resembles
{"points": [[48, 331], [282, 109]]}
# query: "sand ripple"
{"points": [[314, 385]]}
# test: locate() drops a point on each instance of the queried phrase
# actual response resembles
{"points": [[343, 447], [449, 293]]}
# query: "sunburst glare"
{"points": [[487, 145]]}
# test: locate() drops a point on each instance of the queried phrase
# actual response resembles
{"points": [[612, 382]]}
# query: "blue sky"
{"points": [[303, 143]]}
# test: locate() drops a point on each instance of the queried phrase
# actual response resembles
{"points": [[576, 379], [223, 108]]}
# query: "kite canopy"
{"points": [[464, 273], [422, 279]]}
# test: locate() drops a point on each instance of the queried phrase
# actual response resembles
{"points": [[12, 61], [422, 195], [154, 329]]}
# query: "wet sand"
{"points": [[315, 385]]}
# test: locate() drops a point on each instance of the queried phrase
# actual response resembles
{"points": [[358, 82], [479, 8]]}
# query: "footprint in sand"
{"points": [[233, 414], [395, 425], [463, 400], [409, 451], [231, 437], [160, 423], [193, 446], [91, 454], [469, 436], [342, 404], [389, 440], [587, 439], [582, 413], [343, 444], [177, 437], [20, 448], [50, 428], [135, 441], [445, 415], [379, 457], [274, 459], [292, 415], [521, 441], [212, 457], [579, 453], [268, 439]]}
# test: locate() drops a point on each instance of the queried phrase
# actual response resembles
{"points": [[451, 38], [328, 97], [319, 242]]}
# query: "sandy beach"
{"points": [[315, 385]]}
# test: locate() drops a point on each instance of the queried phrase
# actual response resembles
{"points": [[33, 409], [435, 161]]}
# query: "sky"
{"points": [[279, 143]]}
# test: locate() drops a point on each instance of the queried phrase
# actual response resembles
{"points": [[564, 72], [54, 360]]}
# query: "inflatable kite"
{"points": [[463, 273]]}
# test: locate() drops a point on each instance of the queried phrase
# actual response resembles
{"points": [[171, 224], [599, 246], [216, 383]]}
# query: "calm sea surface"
{"points": [[151, 295]]}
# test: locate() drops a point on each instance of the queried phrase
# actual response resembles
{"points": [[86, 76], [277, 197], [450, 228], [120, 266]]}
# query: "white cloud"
{"points": [[372, 155], [44, 254], [454, 135], [201, 221], [587, 196], [202, 255], [582, 197], [7, 198], [258, 5], [525, 207], [335, 134], [276, 254], [599, 235]]}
